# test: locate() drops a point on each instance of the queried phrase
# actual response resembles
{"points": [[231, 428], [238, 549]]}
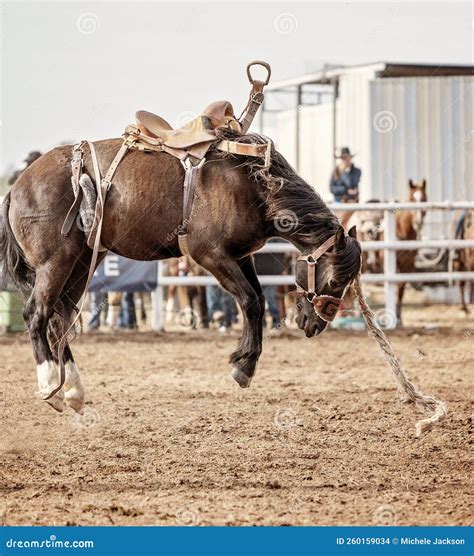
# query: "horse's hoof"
{"points": [[240, 377], [75, 398], [57, 403], [77, 405]]}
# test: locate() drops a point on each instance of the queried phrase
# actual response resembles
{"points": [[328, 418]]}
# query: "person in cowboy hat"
{"points": [[345, 178]]}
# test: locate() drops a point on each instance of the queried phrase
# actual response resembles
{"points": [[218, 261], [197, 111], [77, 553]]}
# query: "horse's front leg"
{"points": [[234, 278]]}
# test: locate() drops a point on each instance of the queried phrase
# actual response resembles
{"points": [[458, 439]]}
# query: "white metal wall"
{"points": [[420, 127], [429, 134]]}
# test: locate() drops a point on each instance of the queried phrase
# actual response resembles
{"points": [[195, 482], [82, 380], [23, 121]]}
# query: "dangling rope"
{"points": [[410, 392]]}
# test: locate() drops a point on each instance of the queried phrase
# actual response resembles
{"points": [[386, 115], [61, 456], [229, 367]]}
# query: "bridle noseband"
{"points": [[325, 306]]}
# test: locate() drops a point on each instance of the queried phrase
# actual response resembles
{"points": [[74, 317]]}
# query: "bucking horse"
{"points": [[240, 202]]}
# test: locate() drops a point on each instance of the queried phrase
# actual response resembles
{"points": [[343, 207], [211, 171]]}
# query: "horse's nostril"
{"points": [[301, 321]]}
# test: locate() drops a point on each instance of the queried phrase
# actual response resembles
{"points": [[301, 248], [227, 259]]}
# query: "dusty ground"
{"points": [[167, 438]]}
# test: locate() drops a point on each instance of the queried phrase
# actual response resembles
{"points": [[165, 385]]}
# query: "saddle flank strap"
{"points": [[189, 190], [77, 162]]}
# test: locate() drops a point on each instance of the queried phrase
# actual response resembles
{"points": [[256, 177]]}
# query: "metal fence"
{"points": [[390, 245]]}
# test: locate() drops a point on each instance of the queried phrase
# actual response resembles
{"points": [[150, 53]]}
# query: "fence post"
{"points": [[390, 268], [157, 302]]}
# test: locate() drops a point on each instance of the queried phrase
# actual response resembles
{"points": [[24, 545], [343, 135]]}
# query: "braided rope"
{"points": [[409, 392]]}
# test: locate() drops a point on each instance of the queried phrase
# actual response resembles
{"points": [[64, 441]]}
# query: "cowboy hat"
{"points": [[343, 152]]}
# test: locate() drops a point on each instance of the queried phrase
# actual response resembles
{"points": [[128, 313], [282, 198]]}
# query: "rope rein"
{"points": [[406, 388]]}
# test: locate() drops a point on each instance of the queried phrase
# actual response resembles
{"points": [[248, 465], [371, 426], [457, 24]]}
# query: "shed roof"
{"points": [[330, 73]]}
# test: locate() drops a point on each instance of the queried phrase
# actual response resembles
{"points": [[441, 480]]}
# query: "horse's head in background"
{"points": [[417, 194], [322, 278]]}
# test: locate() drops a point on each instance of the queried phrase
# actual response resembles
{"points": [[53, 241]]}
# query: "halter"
{"points": [[325, 306]]}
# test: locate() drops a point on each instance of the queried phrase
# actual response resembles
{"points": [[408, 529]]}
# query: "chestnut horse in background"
{"points": [[409, 224], [465, 257], [408, 227]]}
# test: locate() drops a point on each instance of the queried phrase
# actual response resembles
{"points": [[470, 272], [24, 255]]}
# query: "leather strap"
{"points": [[255, 101], [256, 95], [245, 149], [183, 244], [316, 254], [325, 306], [311, 277], [102, 188], [76, 167], [189, 189], [72, 213]]}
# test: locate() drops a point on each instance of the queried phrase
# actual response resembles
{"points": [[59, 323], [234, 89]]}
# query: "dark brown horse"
{"points": [[243, 207]]}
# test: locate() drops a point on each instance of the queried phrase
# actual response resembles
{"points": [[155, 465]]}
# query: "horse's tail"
{"points": [[12, 256]]}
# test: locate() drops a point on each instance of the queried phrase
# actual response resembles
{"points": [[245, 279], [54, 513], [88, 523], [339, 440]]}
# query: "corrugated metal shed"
{"points": [[403, 121]]}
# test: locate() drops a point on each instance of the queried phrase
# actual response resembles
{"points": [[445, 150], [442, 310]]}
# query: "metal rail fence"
{"points": [[390, 245]]}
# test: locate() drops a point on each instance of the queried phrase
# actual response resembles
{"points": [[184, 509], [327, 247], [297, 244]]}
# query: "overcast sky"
{"points": [[80, 70]]}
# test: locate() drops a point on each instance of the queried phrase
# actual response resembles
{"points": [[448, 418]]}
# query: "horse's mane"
{"points": [[284, 192]]}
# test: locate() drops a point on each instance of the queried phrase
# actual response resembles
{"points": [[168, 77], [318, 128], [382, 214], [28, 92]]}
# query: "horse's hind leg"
{"points": [[73, 290], [49, 282]]}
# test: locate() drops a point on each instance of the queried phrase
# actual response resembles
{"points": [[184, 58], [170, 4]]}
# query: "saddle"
{"points": [[189, 143], [199, 130], [194, 137]]}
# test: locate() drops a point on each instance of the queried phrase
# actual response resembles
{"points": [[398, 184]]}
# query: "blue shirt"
{"points": [[348, 180]]}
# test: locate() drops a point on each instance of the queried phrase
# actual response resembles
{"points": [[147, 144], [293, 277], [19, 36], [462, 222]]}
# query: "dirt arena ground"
{"points": [[168, 439]]}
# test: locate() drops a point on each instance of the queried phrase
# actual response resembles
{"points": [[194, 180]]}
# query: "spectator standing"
{"points": [[271, 264], [344, 183]]}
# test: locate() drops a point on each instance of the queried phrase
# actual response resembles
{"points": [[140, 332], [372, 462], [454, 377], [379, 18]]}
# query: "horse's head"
{"points": [[417, 194], [322, 277]]}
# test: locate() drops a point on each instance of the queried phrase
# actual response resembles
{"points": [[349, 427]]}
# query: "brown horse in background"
{"points": [[465, 258], [244, 206], [408, 227]]}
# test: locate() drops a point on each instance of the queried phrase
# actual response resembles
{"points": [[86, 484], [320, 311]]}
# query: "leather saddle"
{"points": [[201, 129]]}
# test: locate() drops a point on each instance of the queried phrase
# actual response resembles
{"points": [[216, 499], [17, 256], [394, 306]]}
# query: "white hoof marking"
{"points": [[48, 380], [73, 387]]}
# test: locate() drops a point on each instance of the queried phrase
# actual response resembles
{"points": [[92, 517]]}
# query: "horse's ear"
{"points": [[340, 242], [411, 184], [353, 232], [423, 185]]}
